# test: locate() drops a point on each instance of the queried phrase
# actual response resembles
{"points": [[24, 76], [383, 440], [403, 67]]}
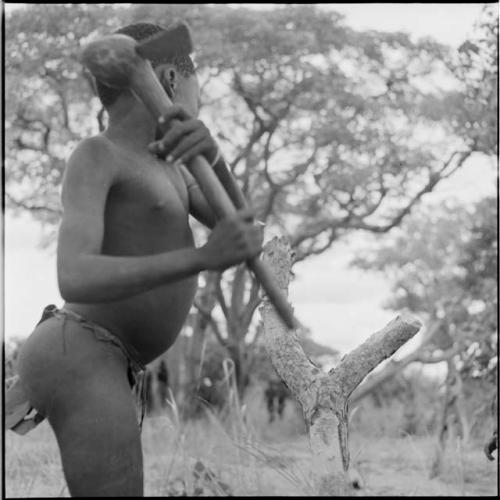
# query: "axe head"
{"points": [[114, 59]]}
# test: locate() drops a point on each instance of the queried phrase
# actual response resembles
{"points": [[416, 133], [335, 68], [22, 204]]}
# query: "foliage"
{"points": [[327, 129], [47, 101], [10, 357], [480, 263], [477, 68]]}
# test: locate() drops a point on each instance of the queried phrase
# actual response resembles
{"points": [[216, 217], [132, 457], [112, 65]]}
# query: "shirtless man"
{"points": [[127, 269]]}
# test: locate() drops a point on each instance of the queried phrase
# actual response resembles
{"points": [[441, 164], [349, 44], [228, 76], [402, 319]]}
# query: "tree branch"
{"points": [[434, 178], [252, 304], [220, 296], [32, 207], [249, 100], [420, 355], [257, 133], [33, 125], [352, 221], [315, 229], [301, 255], [445, 356], [238, 290], [357, 364], [215, 327]]}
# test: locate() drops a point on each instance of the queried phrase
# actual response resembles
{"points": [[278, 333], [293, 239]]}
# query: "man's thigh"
{"points": [[99, 439], [80, 384]]}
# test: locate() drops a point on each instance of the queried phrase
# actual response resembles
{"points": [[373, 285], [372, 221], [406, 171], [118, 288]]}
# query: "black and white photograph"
{"points": [[250, 249]]}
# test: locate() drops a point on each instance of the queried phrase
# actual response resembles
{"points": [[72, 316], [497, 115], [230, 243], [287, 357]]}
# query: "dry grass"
{"points": [[253, 457]]}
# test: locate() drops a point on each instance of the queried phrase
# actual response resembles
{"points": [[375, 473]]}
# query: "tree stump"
{"points": [[324, 397]]}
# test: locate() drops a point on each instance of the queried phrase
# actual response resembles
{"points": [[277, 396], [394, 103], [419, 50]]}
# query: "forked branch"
{"points": [[324, 397]]}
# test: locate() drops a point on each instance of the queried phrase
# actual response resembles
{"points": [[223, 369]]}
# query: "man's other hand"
{"points": [[233, 240], [185, 137]]}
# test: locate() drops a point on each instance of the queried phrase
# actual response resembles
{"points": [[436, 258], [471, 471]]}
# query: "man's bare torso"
{"points": [[146, 213]]}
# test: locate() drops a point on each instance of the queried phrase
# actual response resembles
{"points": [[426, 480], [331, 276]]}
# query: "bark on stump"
{"points": [[324, 397]]}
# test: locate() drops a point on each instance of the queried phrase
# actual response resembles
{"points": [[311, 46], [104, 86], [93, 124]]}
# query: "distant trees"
{"points": [[327, 129], [443, 265]]}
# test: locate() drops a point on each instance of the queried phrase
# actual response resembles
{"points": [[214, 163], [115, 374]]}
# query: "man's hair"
{"points": [[138, 32]]}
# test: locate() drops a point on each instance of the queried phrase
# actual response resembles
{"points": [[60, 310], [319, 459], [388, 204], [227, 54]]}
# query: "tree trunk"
{"points": [[492, 443], [207, 301], [238, 312], [237, 356], [324, 397], [175, 359], [453, 423]]}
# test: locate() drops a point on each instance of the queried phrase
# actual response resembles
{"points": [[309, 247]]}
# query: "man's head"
{"points": [[175, 72]]}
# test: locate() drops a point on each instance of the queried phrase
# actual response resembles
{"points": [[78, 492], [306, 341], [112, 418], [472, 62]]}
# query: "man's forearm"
{"points": [[103, 278]]}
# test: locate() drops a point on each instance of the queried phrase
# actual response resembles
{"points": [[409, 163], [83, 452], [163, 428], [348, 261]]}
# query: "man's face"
{"points": [[186, 91]]}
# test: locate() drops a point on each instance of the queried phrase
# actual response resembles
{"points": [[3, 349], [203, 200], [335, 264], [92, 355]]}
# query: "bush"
{"points": [[405, 405]]}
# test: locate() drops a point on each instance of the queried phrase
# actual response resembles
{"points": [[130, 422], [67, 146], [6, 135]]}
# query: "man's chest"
{"points": [[151, 188]]}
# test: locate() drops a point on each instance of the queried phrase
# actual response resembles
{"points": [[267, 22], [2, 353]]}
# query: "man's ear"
{"points": [[172, 79], [169, 79]]}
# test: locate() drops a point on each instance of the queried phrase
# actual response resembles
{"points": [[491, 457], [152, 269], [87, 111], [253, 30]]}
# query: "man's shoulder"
{"points": [[93, 158], [96, 153], [97, 147]]}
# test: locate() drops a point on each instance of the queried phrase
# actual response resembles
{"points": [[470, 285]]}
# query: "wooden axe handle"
{"points": [[146, 86]]}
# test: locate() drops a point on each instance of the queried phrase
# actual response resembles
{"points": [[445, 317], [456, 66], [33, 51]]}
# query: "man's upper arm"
{"points": [[87, 180], [198, 205]]}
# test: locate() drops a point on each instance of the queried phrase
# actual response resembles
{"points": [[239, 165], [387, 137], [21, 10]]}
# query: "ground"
{"points": [[248, 456]]}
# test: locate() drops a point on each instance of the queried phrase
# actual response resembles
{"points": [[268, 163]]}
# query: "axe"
{"points": [[119, 61]]}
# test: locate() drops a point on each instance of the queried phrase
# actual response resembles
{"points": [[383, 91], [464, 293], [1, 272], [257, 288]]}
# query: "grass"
{"points": [[244, 455]]}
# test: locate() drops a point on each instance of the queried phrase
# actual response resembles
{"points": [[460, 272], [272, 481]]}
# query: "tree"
{"points": [[324, 127], [477, 69], [443, 264], [479, 261]]}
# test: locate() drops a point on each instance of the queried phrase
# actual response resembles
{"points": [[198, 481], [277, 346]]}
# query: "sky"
{"points": [[341, 306], [447, 23]]}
